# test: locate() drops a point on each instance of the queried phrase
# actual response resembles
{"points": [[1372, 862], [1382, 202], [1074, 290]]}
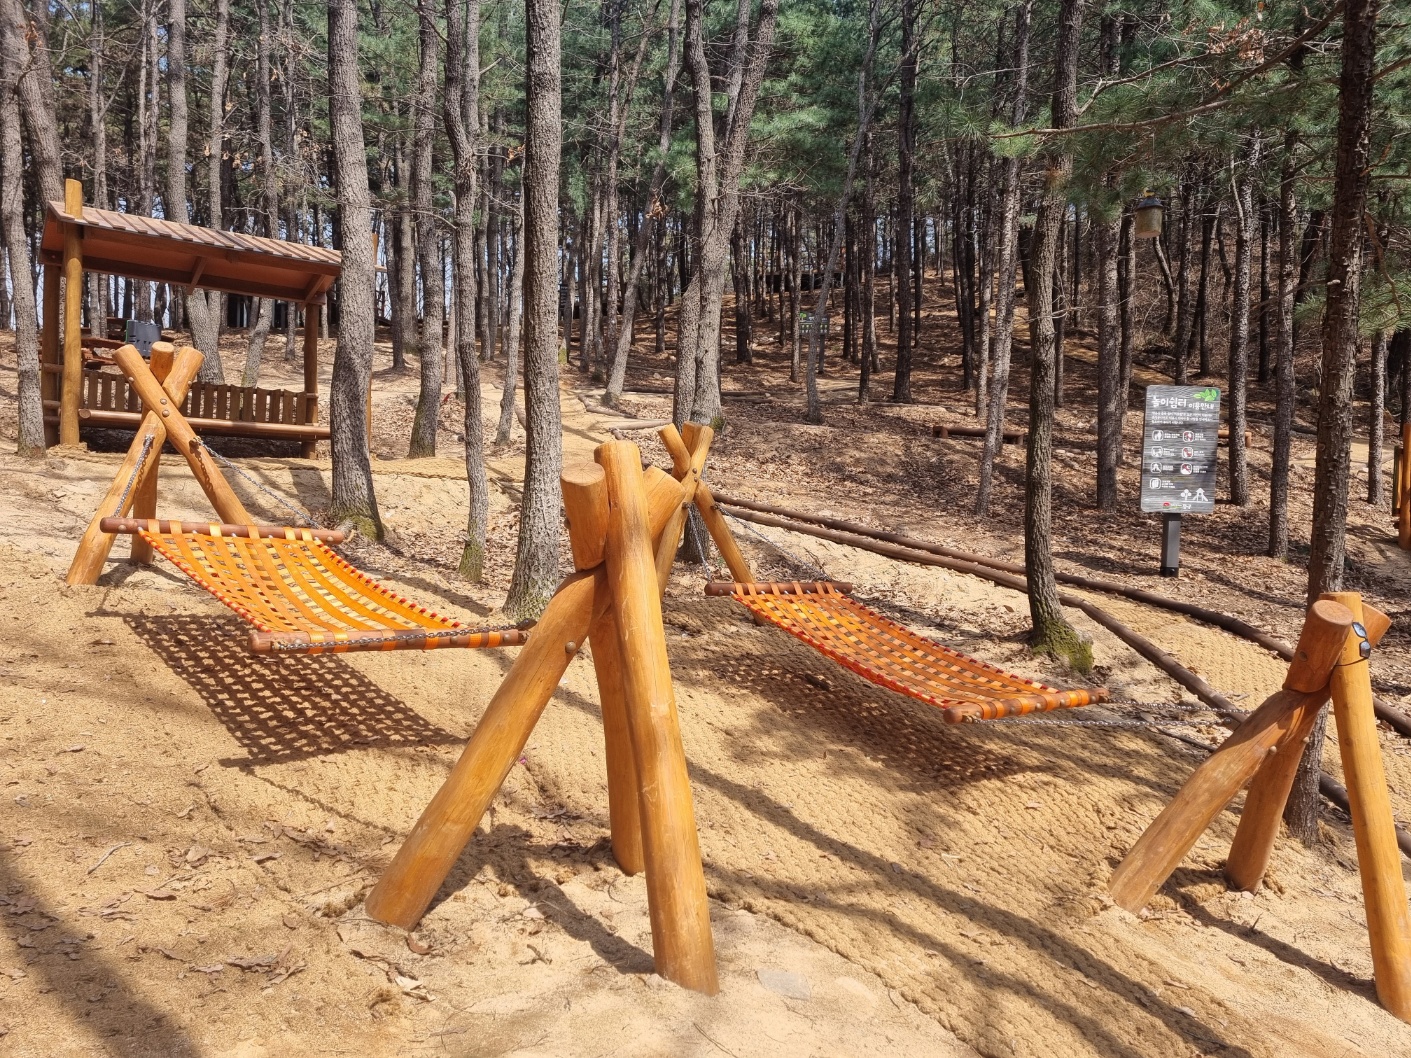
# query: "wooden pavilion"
{"points": [[81, 388]]}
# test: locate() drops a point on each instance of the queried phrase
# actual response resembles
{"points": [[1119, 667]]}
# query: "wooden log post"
{"points": [[144, 505], [1373, 828], [93, 549], [1269, 790], [408, 885], [586, 507], [686, 468], [1210, 788], [49, 382], [182, 437], [688, 451], [73, 305], [676, 895], [311, 379]]}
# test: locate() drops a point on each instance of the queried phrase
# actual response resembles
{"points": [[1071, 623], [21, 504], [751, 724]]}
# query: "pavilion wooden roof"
{"points": [[165, 251]]}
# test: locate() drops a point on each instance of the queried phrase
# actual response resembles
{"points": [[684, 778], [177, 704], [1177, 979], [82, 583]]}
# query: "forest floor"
{"points": [[186, 831]]}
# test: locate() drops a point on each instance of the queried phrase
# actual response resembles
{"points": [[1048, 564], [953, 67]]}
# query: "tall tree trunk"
{"points": [[31, 407], [656, 210], [1245, 221], [906, 203], [865, 105], [460, 108], [206, 320], [1051, 632], [98, 121], [720, 161], [1109, 360], [35, 87], [1126, 280], [516, 313], [1007, 231], [1376, 420], [354, 500], [1344, 287], [868, 266], [1284, 390], [428, 242], [264, 315], [536, 566]]}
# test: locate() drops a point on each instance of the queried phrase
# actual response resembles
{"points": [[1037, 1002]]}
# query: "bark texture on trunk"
{"points": [[1007, 232], [1051, 632], [428, 244], [1344, 285], [536, 566], [719, 165], [354, 501], [1284, 390], [1245, 226], [1109, 361], [460, 107], [31, 408]]}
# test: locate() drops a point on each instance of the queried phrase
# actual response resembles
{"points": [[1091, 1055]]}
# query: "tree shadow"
{"points": [[281, 709], [508, 848], [93, 987]]}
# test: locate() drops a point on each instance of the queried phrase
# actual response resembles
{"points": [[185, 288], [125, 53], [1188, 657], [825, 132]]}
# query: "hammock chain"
{"points": [[228, 465], [806, 563], [136, 473]]}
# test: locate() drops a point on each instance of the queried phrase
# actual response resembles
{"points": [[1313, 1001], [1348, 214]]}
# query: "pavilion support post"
{"points": [[93, 549], [1223, 774], [310, 373], [1373, 828], [682, 946], [73, 304], [49, 381], [144, 504]]}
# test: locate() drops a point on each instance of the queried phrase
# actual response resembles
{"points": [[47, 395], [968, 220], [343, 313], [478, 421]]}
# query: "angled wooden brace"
{"points": [[615, 512], [134, 485], [182, 436], [688, 449], [1267, 734]]}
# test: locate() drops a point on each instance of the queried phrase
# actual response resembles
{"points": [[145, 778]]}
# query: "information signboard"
{"points": [[1179, 440], [807, 323]]}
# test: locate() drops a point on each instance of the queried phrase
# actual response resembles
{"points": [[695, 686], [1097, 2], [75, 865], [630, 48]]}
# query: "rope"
{"points": [[136, 471], [301, 514]]}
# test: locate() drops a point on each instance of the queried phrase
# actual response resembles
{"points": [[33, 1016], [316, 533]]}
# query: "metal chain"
{"points": [[136, 472], [691, 519], [301, 514], [795, 559]]}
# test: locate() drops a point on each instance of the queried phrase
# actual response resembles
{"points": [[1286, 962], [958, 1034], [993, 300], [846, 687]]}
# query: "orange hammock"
{"points": [[890, 654], [300, 596]]}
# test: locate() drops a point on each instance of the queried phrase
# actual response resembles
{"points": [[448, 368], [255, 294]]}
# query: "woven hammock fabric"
{"points": [[303, 598], [893, 656]]}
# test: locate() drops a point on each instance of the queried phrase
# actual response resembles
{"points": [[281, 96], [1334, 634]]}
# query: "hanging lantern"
{"points": [[1148, 217]]}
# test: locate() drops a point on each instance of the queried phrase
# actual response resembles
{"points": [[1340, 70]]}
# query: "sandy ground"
{"points": [[188, 831]]}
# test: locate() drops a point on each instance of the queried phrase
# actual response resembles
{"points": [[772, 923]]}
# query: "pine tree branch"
{"points": [[1220, 99]]}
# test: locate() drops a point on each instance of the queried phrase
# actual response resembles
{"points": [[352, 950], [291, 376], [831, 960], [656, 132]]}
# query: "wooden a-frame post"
{"points": [[1332, 661], [134, 487], [617, 517]]}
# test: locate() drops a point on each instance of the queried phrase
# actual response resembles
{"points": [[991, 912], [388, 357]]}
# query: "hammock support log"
{"points": [[619, 513], [1332, 660]]}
